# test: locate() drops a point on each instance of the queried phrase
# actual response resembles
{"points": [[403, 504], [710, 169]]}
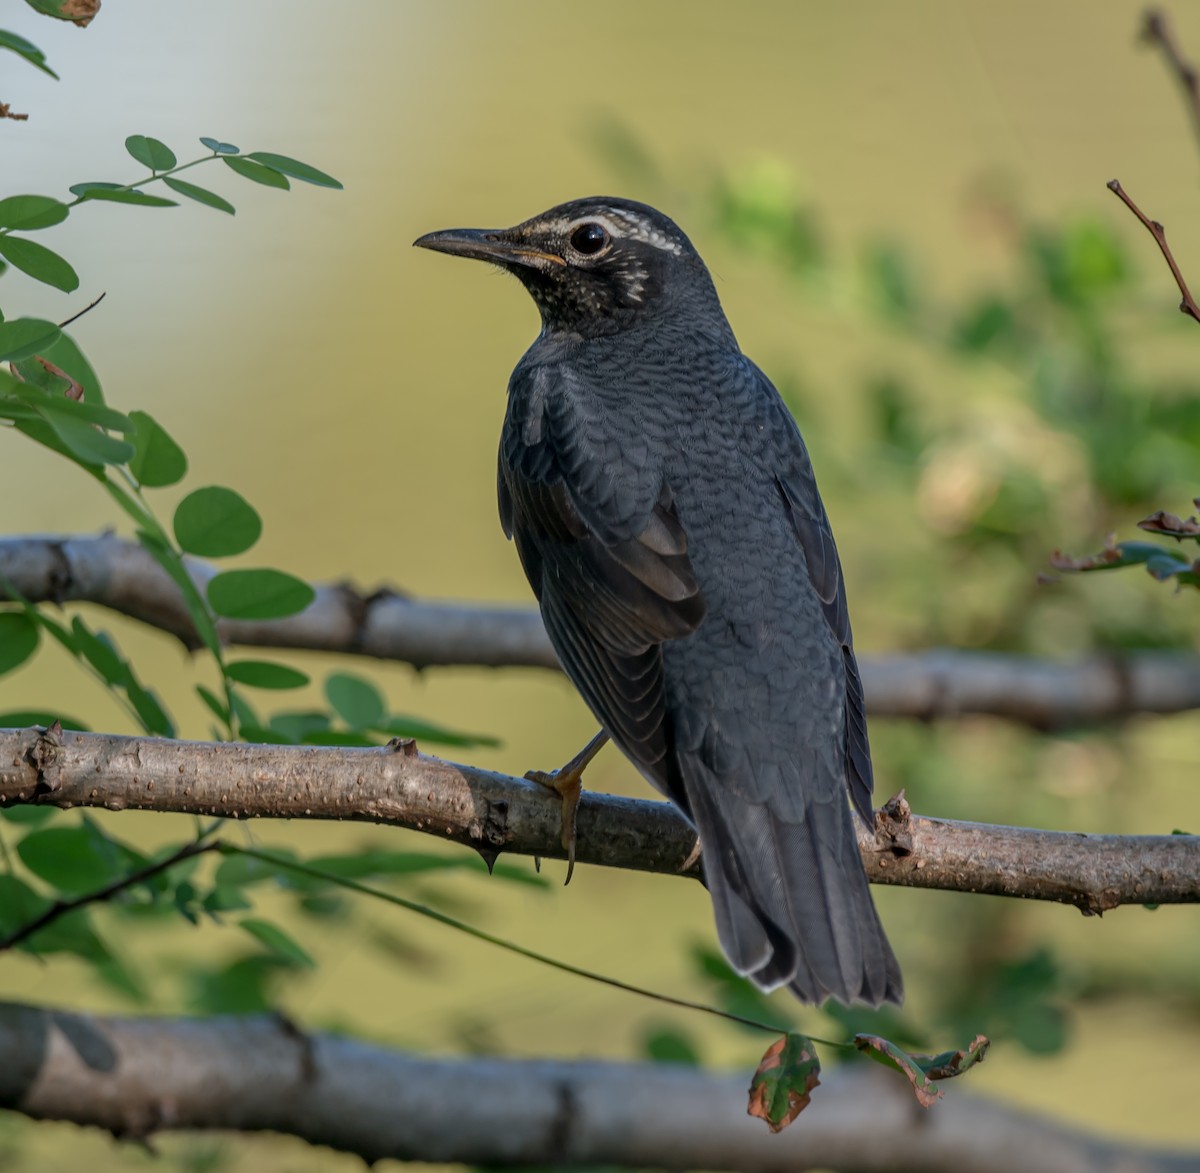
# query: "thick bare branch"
{"points": [[494, 813], [135, 1077], [120, 575]]}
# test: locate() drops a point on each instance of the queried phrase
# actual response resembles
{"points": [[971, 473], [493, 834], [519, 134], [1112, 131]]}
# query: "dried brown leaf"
{"points": [[783, 1081]]}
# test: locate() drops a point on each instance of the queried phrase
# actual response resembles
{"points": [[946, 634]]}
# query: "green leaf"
{"points": [[784, 1080], [365, 865], [119, 194], [890, 1055], [277, 942], [18, 639], [58, 9], [27, 816], [83, 441], [25, 336], [214, 705], [297, 725], [38, 430], [88, 413], [245, 986], [949, 1064], [26, 49], [215, 522], [265, 674], [98, 650], [261, 734], [890, 274], [149, 709], [74, 860], [355, 700], [400, 726], [70, 933], [27, 213], [218, 147], [294, 168], [157, 459], [172, 563], [256, 171], [345, 738], [669, 1045], [201, 195], [19, 904], [258, 594], [66, 355], [150, 152], [225, 898], [243, 712], [24, 718], [39, 262], [240, 870]]}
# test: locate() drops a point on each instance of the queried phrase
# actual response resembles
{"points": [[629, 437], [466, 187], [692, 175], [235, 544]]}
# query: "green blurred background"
{"points": [[904, 210]]}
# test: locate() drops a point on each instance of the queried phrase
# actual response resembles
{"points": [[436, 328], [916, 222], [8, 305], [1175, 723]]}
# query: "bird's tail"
{"points": [[792, 903]]}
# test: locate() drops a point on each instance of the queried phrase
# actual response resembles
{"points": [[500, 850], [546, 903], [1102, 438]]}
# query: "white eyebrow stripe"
{"points": [[622, 225]]}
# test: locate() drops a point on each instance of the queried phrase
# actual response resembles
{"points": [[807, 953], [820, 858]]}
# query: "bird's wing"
{"points": [[606, 556], [765, 782], [798, 486]]}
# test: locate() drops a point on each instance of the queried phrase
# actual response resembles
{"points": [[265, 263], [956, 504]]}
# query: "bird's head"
{"points": [[593, 266]]}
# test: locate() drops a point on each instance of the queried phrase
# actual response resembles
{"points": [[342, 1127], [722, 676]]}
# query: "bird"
{"points": [[665, 511]]}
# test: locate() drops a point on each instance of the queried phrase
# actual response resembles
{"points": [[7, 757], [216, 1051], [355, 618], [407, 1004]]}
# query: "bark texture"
{"points": [[495, 813], [118, 574], [138, 1076]]}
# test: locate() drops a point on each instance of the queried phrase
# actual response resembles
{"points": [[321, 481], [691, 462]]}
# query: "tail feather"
{"points": [[791, 899]]}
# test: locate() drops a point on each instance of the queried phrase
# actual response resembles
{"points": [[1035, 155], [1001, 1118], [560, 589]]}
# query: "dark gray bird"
{"points": [[665, 511]]}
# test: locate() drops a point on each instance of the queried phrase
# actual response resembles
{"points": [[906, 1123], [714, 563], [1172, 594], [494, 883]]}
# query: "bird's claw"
{"points": [[568, 785]]}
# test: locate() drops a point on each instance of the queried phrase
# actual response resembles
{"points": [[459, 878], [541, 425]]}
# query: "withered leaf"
{"points": [[783, 1081]]}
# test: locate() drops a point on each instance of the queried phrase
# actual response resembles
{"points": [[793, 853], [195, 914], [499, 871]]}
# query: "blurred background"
{"points": [[904, 210]]}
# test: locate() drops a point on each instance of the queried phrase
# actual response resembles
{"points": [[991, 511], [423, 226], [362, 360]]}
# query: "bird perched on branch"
{"points": [[665, 511]]}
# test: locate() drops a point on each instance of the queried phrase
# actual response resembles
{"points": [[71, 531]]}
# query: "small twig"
{"points": [[86, 309], [502, 943], [1187, 305], [1157, 31], [60, 908]]}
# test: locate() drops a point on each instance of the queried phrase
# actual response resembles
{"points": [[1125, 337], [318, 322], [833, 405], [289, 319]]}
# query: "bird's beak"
{"points": [[484, 244]]}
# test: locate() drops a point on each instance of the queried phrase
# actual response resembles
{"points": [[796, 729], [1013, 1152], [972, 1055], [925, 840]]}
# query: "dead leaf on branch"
{"points": [[922, 1070], [1170, 524], [783, 1081]]}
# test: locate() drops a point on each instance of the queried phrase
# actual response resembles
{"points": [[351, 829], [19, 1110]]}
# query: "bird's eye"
{"points": [[589, 239]]}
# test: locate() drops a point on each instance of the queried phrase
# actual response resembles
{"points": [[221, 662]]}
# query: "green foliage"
{"points": [[258, 594], [216, 523], [27, 213], [26, 50], [18, 639]]}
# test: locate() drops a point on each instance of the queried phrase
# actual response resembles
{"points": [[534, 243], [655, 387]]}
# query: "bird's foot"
{"points": [[693, 857], [567, 783]]}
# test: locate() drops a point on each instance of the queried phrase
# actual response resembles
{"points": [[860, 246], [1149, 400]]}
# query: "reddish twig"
{"points": [[60, 908], [1187, 305], [1157, 31], [86, 309]]}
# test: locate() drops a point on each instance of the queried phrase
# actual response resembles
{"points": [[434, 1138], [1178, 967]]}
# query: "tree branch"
{"points": [[494, 813], [120, 575], [1156, 30], [60, 908], [138, 1076]]}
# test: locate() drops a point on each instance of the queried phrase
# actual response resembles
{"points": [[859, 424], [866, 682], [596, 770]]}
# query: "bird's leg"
{"points": [[567, 783]]}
